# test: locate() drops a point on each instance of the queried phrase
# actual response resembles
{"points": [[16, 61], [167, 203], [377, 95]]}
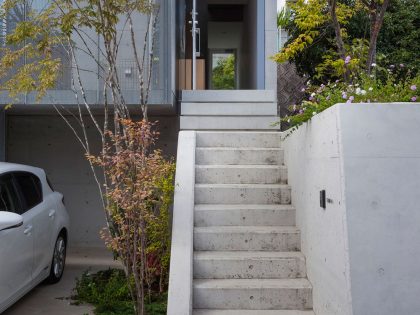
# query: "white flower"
{"points": [[371, 89], [363, 92], [357, 84], [373, 64], [358, 91], [313, 94], [372, 76], [313, 113]]}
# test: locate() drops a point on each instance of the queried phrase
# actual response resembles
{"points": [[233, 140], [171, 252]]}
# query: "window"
{"points": [[9, 200], [30, 187], [223, 69]]}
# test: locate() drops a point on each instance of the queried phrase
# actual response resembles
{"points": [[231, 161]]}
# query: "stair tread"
{"points": [[251, 312], [249, 166], [227, 207], [240, 148], [247, 229], [244, 255], [297, 283], [244, 185]]}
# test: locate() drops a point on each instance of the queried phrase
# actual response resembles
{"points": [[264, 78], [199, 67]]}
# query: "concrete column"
{"points": [[261, 52], [270, 44]]}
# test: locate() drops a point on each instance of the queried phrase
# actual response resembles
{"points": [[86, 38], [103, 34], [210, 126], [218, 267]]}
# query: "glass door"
{"points": [[223, 69]]}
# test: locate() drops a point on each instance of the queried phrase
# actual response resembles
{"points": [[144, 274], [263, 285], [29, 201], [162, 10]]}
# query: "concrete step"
{"points": [[241, 174], [254, 96], [251, 238], [239, 156], [229, 123], [244, 215], [229, 108], [248, 265], [242, 194], [252, 294], [251, 312], [238, 139]]}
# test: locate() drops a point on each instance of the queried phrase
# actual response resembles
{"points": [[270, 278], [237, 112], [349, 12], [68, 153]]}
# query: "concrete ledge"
{"points": [[240, 109], [229, 123], [181, 272], [255, 96]]}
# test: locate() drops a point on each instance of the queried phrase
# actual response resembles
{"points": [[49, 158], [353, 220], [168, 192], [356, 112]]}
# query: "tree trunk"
{"points": [[376, 21], [339, 38]]}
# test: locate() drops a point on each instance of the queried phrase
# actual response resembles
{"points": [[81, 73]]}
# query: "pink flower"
{"points": [[413, 87], [401, 65], [351, 99], [347, 60], [344, 95], [414, 98]]}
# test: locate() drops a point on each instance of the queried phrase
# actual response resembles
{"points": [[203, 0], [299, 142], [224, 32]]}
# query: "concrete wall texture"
{"points": [[46, 142], [361, 250]]}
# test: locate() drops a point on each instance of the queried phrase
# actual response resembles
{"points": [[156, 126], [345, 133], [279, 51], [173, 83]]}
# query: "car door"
{"points": [[43, 215], [16, 246]]}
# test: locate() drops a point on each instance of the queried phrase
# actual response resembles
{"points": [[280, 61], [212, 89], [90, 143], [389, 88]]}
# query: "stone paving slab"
{"points": [[55, 299]]}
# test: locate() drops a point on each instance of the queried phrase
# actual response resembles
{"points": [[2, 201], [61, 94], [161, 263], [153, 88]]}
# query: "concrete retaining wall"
{"points": [[361, 250]]}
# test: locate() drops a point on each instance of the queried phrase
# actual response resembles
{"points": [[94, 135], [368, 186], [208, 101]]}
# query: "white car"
{"points": [[34, 227]]}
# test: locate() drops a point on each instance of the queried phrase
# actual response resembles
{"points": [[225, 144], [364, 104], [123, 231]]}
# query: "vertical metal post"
{"points": [[194, 44]]}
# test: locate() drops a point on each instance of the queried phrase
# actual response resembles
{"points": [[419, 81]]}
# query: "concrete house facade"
{"points": [[32, 133]]}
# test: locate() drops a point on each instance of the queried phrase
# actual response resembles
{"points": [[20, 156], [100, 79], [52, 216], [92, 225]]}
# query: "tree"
{"points": [[127, 170], [314, 19], [399, 39], [377, 11]]}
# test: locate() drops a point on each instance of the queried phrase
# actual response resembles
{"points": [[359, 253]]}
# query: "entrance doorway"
{"points": [[223, 69], [226, 53]]}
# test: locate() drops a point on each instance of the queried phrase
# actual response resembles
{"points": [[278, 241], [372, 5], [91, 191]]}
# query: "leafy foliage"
{"points": [[223, 77], [310, 19], [394, 84], [399, 39], [139, 192], [108, 291], [283, 17]]}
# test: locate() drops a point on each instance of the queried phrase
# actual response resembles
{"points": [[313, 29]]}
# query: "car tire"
{"points": [[58, 261]]}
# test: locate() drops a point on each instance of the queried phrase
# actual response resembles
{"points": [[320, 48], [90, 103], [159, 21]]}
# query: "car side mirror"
{"points": [[10, 220]]}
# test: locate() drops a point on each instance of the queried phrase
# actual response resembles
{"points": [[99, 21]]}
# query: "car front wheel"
{"points": [[58, 260]]}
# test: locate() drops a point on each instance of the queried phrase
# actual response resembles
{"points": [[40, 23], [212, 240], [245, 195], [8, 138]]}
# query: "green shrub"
{"points": [[108, 291], [392, 84]]}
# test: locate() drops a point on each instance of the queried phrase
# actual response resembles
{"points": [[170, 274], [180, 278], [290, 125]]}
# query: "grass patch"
{"points": [[108, 291]]}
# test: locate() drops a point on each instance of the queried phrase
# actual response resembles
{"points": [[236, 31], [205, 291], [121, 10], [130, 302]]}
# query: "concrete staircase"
{"points": [[228, 110], [246, 258]]}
